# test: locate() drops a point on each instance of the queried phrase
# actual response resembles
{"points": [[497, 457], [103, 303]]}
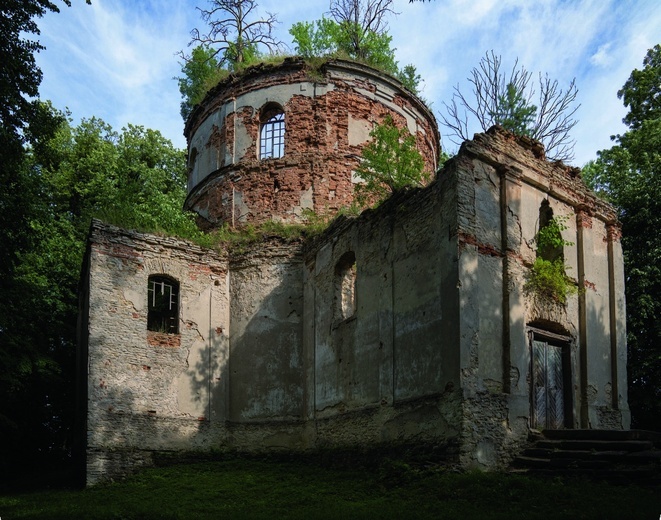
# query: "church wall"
{"points": [[388, 372], [410, 323], [266, 289], [150, 390], [328, 115], [501, 187]]}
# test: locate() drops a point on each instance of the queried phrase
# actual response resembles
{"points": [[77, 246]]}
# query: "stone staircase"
{"points": [[618, 456]]}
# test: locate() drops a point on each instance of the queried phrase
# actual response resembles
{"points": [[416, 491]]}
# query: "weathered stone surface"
{"points": [[435, 347]]}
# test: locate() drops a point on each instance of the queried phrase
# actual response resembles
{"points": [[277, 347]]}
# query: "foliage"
{"points": [[200, 73], [360, 19], [233, 42], [513, 112], [506, 99], [629, 176], [390, 161], [548, 279], [28, 370], [345, 38], [134, 178], [301, 488], [642, 91], [547, 275]]}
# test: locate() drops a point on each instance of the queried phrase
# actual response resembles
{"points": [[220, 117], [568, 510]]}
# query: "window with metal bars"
{"points": [[272, 134], [163, 305]]}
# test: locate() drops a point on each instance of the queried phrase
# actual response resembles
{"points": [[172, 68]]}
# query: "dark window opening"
{"points": [[272, 134], [163, 305]]}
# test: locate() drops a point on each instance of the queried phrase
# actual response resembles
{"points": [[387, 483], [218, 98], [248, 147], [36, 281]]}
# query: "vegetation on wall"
{"points": [[390, 161], [547, 276], [328, 38], [238, 37]]}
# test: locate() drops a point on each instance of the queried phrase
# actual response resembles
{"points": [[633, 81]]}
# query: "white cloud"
{"points": [[116, 59], [602, 57]]}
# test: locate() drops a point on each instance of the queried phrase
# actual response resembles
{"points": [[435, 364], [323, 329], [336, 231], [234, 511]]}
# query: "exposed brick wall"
{"points": [[320, 154]]}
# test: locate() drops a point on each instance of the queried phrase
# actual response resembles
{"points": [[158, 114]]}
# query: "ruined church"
{"points": [[411, 323]]}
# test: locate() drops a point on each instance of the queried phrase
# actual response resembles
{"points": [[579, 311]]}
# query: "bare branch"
{"points": [[233, 31], [500, 98], [362, 16]]}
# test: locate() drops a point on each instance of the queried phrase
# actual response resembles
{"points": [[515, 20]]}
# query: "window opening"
{"points": [[345, 287], [163, 305], [272, 135], [551, 248]]}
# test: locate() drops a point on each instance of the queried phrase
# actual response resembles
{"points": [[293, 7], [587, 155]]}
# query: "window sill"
{"points": [[163, 339]]}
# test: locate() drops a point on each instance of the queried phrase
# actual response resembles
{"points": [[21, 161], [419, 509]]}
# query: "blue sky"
{"points": [[116, 59]]}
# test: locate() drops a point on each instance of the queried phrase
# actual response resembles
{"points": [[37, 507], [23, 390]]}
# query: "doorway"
{"points": [[550, 382]]}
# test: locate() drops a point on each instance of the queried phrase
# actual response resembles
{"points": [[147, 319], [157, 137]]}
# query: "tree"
{"points": [[134, 178], [514, 112], [22, 121], [235, 35], [390, 162], [642, 91], [201, 72], [360, 19], [629, 176], [326, 37], [506, 99], [19, 84]]}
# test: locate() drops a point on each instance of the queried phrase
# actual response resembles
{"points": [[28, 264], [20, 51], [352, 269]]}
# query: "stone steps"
{"points": [[616, 456]]}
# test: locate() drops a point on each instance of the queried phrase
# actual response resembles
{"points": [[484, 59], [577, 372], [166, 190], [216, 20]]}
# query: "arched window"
{"points": [[272, 133], [163, 305], [345, 287], [551, 242]]}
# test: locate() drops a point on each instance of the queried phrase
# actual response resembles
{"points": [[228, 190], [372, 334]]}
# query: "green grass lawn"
{"points": [[249, 488]]}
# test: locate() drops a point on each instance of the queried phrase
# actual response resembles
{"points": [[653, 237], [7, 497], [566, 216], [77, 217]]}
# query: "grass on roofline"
{"points": [[251, 488]]}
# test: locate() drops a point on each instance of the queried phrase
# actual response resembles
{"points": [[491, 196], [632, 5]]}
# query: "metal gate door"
{"points": [[548, 392]]}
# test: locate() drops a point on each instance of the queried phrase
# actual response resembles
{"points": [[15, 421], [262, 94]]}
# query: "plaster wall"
{"points": [[501, 188], [266, 361], [149, 390], [436, 349], [389, 372]]}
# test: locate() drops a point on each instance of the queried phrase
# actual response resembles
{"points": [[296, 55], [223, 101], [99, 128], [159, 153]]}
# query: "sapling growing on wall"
{"points": [[390, 161]]}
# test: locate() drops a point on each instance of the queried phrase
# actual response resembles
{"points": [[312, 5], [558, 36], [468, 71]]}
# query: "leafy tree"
{"points": [[201, 72], [642, 91], [500, 98], [390, 162], [629, 175], [134, 178], [235, 33], [360, 19], [22, 121], [326, 37]]}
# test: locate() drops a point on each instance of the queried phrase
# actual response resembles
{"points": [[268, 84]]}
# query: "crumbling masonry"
{"points": [[407, 324]]}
